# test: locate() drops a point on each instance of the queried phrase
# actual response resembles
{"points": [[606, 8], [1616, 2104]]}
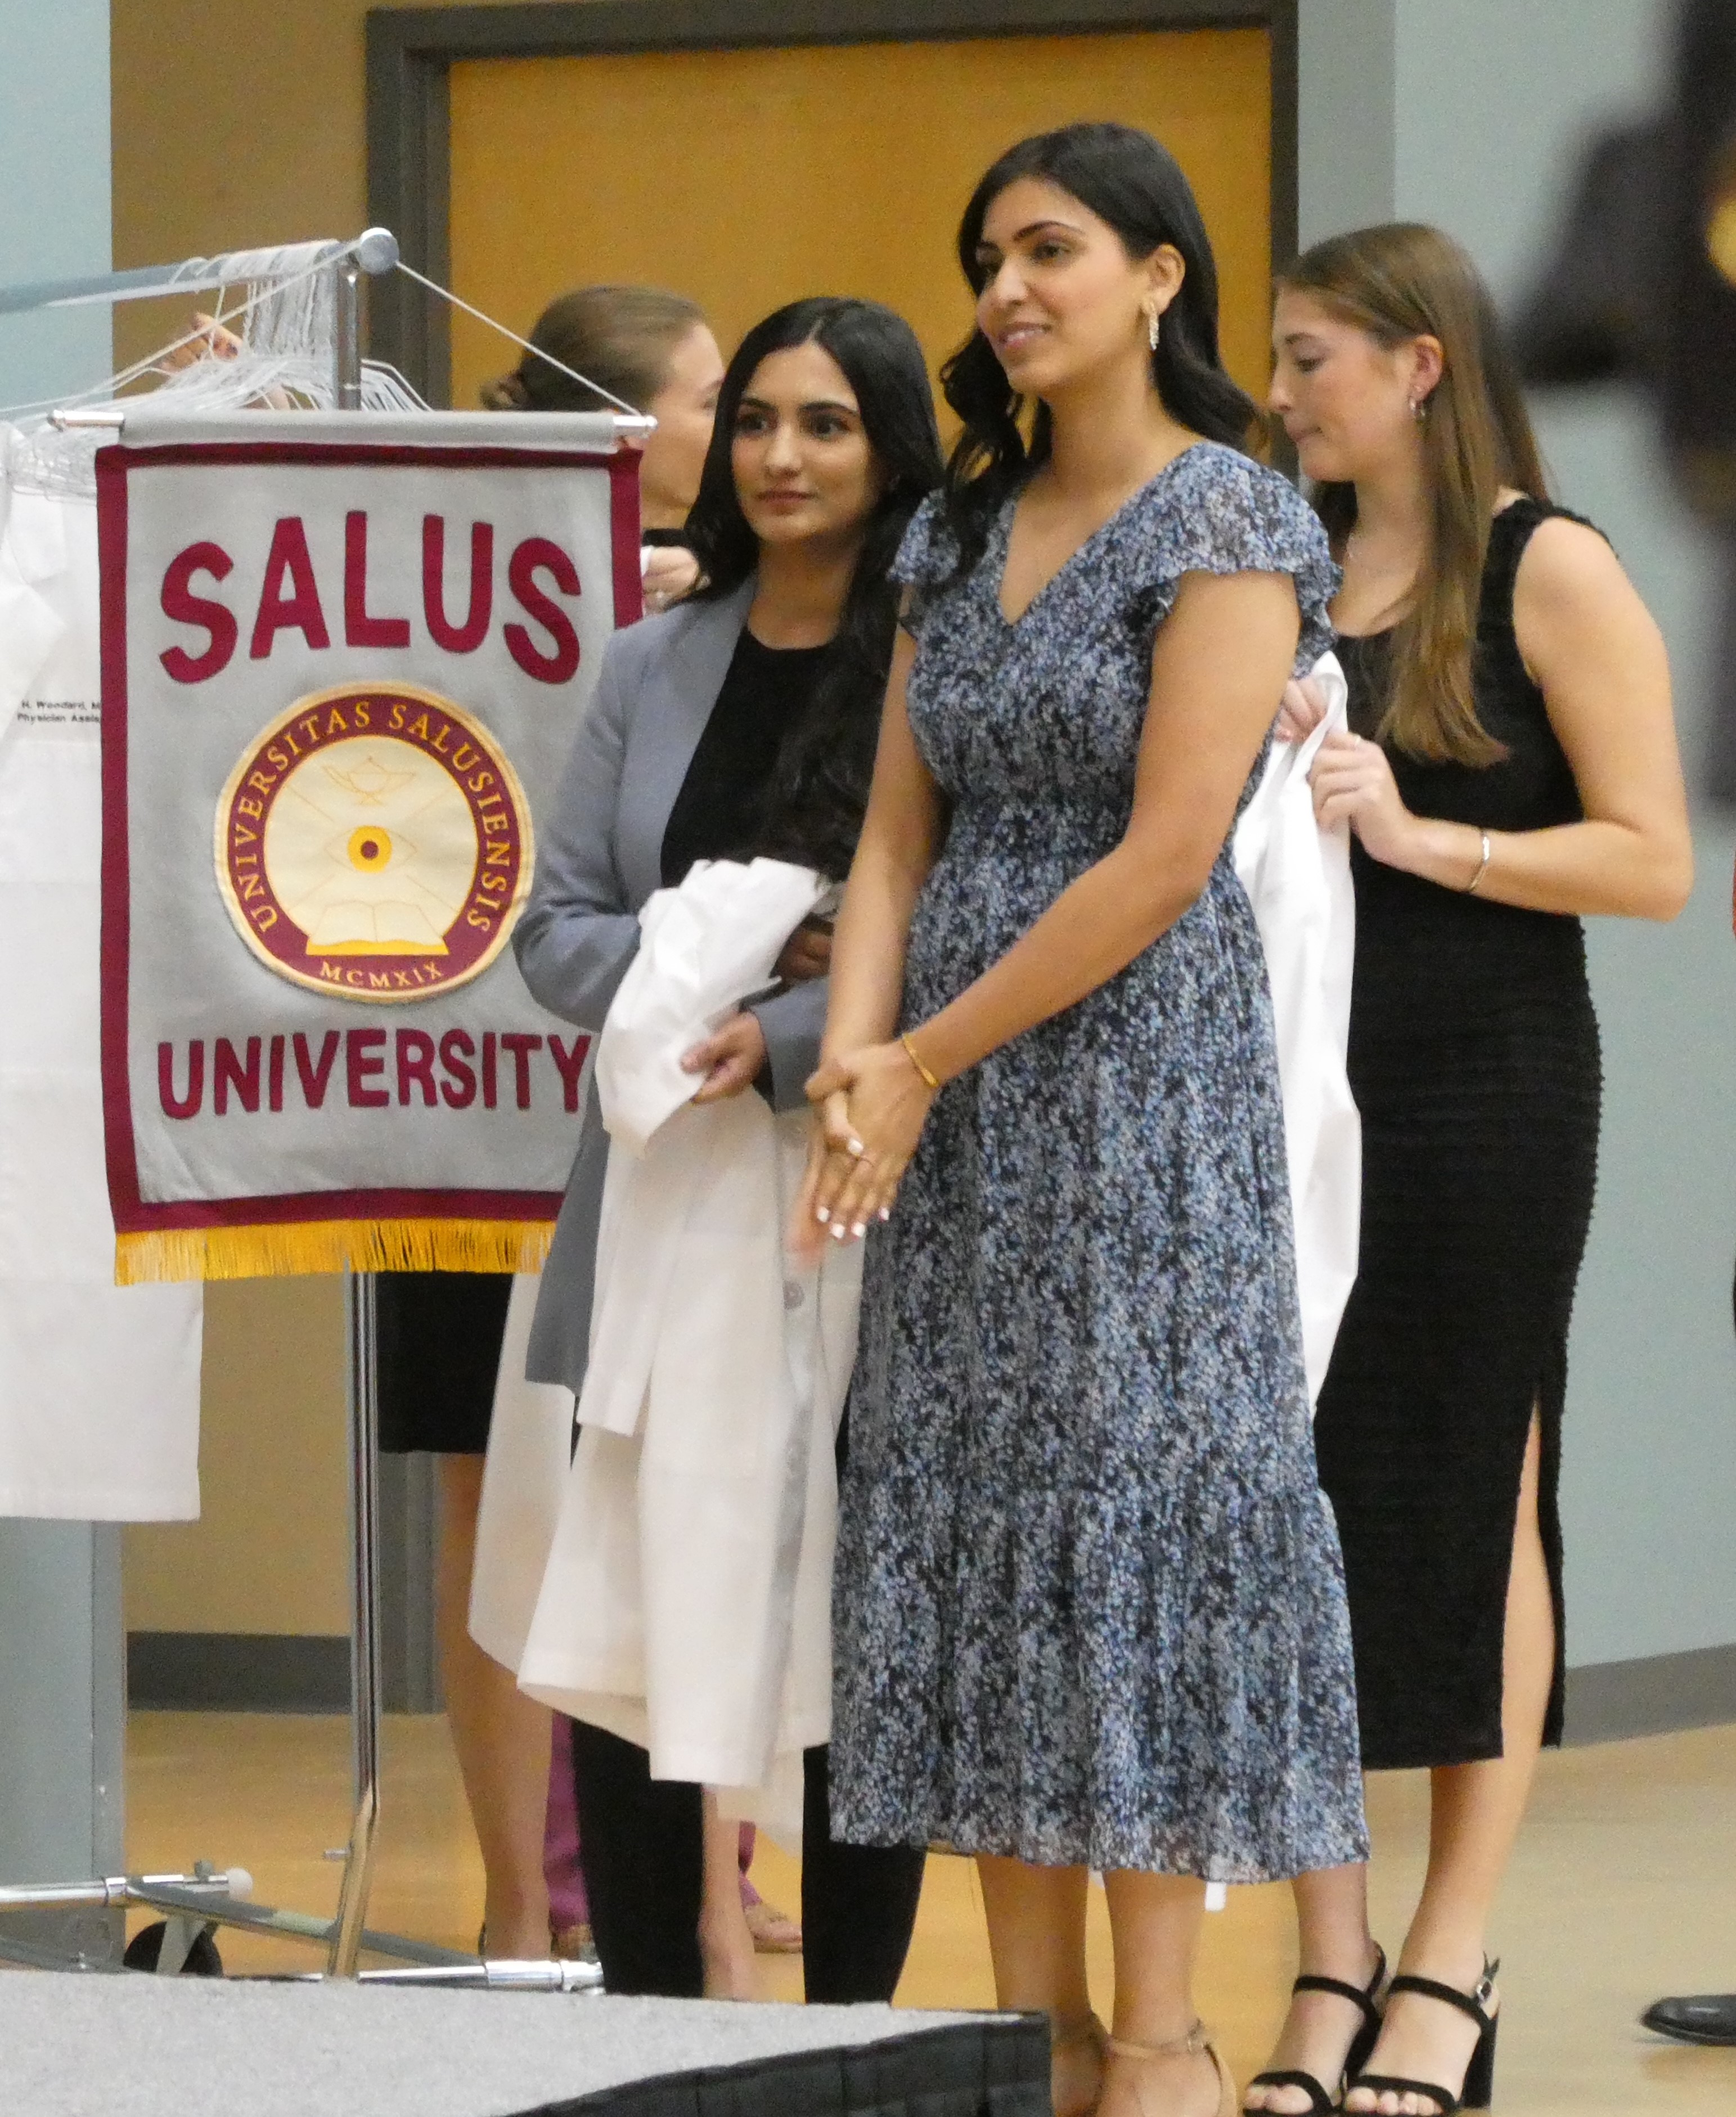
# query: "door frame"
{"points": [[411, 52]]}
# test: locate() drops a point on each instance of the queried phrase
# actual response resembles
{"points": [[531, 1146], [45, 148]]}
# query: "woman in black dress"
{"points": [[1511, 766]]}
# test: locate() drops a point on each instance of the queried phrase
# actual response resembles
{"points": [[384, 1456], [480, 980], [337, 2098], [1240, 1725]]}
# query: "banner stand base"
{"points": [[197, 1905]]}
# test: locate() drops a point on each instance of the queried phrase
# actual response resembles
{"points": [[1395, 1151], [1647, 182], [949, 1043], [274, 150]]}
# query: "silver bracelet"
{"points": [[1470, 886]]}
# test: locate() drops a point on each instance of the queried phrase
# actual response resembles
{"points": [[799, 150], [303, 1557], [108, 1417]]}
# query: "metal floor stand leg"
{"points": [[360, 1320]]}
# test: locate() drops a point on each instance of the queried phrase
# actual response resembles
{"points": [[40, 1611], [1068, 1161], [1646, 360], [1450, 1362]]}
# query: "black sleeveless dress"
{"points": [[1474, 1062]]}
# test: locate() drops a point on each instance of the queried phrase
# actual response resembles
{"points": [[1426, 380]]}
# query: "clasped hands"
{"points": [[1352, 780], [870, 1106]]}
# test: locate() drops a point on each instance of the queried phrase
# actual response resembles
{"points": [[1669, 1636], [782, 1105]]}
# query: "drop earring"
{"points": [[1419, 408], [1154, 319]]}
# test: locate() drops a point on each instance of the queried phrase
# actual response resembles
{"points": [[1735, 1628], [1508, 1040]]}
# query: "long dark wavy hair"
{"points": [[1128, 179], [814, 809]]}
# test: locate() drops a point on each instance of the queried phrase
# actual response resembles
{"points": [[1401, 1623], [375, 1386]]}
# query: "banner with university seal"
{"points": [[344, 658]]}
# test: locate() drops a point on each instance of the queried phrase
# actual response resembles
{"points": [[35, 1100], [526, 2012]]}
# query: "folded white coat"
{"points": [[686, 1605], [703, 949], [1297, 877]]}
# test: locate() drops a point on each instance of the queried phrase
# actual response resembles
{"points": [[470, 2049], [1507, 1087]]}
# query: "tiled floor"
{"points": [[1625, 1888]]}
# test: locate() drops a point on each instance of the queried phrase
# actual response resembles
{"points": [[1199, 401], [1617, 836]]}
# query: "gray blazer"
{"points": [[600, 858]]}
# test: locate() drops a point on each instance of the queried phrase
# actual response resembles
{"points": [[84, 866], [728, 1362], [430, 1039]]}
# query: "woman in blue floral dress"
{"points": [[1089, 1609]]}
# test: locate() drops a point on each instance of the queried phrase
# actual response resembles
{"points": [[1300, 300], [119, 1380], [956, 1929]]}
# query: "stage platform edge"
{"points": [[87, 2045]]}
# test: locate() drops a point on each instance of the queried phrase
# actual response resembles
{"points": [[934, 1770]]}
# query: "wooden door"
{"points": [[748, 178]]}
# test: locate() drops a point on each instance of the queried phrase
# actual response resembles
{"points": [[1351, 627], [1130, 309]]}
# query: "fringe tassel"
{"points": [[285, 1248]]}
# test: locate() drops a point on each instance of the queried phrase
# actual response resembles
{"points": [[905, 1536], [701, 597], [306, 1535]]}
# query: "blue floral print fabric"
{"points": [[1089, 1605]]}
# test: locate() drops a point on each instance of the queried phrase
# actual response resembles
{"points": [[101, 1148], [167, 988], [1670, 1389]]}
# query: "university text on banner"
{"points": [[344, 662]]}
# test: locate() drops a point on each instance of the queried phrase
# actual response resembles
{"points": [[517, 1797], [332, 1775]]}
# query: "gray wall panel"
{"points": [[61, 1682], [1488, 103]]}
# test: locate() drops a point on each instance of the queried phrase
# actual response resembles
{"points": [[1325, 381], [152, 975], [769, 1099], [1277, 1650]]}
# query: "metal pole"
{"points": [[364, 1411], [376, 249], [364, 1424], [347, 338]]}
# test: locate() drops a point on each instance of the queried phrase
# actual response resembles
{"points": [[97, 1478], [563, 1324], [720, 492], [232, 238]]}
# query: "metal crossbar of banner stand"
{"points": [[197, 1904]]}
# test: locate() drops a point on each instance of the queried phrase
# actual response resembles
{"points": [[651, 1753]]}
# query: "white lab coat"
{"points": [[98, 1384], [685, 1600], [530, 1449], [1297, 877]]}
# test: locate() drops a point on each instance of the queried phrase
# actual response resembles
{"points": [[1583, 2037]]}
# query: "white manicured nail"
{"points": [[860, 1230], [823, 1214], [885, 1212], [855, 1148], [839, 1231]]}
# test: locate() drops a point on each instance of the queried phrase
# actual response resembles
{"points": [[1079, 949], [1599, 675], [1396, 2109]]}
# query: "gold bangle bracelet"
{"points": [[1470, 886], [910, 1052]]}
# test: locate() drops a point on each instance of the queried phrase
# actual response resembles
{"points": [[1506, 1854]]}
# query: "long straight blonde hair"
{"points": [[1405, 281]]}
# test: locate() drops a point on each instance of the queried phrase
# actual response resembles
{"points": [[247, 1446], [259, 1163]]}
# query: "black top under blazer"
{"points": [[599, 859]]}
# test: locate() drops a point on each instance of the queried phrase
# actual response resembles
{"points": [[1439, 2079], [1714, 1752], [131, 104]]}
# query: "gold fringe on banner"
{"points": [[287, 1248]]}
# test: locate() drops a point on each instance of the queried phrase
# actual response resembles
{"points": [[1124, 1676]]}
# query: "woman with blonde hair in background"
{"points": [[1510, 766], [653, 350]]}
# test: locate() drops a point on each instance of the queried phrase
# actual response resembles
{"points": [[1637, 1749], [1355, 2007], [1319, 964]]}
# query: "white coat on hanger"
{"points": [[98, 1384]]}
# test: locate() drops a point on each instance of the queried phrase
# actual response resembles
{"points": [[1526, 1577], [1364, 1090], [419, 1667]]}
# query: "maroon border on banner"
{"points": [[285, 1208], [115, 949], [133, 1214], [623, 518]]}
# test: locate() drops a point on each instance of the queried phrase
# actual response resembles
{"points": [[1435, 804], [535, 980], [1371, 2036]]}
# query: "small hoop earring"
{"points": [[1153, 327]]}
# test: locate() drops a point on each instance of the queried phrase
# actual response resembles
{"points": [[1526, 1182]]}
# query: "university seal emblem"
{"points": [[374, 843]]}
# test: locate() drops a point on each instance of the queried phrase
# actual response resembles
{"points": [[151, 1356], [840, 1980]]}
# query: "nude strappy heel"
{"points": [[1194, 2041]]}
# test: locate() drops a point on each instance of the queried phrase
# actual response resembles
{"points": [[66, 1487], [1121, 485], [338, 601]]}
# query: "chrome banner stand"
{"points": [[362, 1331], [196, 1905], [360, 1320]]}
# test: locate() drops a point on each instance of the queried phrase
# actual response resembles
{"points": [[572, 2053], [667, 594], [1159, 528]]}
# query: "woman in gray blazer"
{"points": [[440, 1332], [741, 723]]}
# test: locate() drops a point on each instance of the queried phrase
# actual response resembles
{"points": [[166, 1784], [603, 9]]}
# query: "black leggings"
{"points": [[641, 1847]]}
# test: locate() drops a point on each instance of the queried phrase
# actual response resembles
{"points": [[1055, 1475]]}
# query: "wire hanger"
{"points": [[286, 323]]}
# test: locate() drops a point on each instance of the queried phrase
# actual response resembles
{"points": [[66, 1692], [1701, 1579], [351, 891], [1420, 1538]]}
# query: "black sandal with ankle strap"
{"points": [[1477, 2089], [1320, 2102]]}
